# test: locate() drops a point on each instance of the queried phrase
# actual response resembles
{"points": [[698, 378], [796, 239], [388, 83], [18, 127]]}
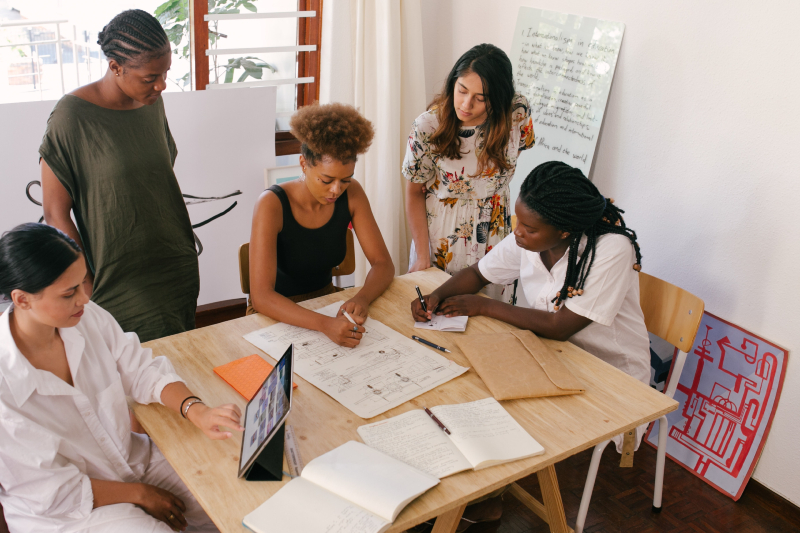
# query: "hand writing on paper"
{"points": [[162, 505], [211, 420], [356, 308], [463, 305], [342, 331], [431, 302]]}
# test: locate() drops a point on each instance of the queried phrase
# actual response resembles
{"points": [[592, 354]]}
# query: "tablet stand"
{"points": [[269, 464]]}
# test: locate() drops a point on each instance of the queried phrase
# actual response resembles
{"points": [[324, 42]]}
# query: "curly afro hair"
{"points": [[333, 130]]}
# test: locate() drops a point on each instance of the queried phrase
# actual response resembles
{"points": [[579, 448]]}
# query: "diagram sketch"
{"points": [[385, 370], [728, 391]]}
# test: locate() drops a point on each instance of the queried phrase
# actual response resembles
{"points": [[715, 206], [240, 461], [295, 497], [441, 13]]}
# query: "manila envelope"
{"points": [[518, 364]]}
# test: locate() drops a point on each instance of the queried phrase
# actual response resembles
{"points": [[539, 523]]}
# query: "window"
{"points": [[49, 47]]}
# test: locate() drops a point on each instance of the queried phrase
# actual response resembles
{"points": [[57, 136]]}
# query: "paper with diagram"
{"points": [[385, 370]]}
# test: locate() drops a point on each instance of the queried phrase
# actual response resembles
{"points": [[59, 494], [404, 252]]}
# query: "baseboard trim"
{"points": [[216, 312]]}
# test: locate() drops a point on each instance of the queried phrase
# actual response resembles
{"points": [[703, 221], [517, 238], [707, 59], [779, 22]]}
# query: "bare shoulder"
{"points": [[268, 209], [89, 92]]}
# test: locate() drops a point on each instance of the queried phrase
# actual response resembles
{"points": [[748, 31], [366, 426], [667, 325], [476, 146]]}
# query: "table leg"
{"points": [[448, 522], [551, 497]]}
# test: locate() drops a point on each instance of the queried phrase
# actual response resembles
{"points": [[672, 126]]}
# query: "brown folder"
{"points": [[518, 364]]}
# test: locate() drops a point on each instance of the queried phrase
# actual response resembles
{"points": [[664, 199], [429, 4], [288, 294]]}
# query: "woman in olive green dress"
{"points": [[107, 157]]}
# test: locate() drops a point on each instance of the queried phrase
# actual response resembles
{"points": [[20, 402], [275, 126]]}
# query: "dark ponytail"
{"points": [[33, 256], [566, 199]]}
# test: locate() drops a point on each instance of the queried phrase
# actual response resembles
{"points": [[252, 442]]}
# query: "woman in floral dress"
{"points": [[461, 156]]}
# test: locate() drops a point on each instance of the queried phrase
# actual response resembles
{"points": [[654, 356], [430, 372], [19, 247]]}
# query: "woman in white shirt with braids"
{"points": [[68, 459]]}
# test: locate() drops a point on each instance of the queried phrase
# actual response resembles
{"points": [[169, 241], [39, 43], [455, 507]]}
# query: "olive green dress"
{"points": [[117, 168]]}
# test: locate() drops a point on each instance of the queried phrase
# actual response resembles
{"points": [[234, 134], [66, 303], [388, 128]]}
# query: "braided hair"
{"points": [[133, 35], [566, 199]]}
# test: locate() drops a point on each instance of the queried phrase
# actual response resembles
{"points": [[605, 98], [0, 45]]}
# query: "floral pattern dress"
{"points": [[467, 214]]}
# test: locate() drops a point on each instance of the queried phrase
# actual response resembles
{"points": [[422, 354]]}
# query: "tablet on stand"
{"points": [[261, 458]]}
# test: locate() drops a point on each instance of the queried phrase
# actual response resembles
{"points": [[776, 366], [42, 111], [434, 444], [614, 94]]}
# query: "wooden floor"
{"points": [[623, 498]]}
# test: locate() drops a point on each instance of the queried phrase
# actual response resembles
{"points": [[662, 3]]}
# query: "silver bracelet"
{"points": [[188, 405]]}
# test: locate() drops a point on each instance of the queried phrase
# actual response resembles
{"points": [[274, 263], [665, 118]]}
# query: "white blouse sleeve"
{"points": [[608, 282], [502, 263], [143, 376], [33, 472]]}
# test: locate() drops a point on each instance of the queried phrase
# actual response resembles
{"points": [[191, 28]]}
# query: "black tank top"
{"points": [[307, 256]]}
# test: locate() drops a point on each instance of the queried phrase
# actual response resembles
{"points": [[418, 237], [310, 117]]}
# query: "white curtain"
{"points": [[372, 58]]}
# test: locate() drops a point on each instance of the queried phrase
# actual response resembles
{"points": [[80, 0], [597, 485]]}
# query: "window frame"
{"points": [[309, 32]]}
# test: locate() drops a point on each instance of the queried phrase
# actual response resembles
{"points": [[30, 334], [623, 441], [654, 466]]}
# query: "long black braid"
{"points": [[566, 199], [132, 34]]}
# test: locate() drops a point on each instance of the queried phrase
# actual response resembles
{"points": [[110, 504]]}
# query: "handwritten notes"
{"points": [[564, 65]]}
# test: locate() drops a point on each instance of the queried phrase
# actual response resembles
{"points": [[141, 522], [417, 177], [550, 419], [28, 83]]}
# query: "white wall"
{"points": [[697, 147]]}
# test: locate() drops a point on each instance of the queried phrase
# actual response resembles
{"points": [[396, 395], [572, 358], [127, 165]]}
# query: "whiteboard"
{"points": [[225, 139], [564, 64]]}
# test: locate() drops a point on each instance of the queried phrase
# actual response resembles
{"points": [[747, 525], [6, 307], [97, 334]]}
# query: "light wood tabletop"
{"points": [[565, 425]]}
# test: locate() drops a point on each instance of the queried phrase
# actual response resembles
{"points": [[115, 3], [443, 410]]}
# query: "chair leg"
{"points": [[589, 486], [663, 429]]}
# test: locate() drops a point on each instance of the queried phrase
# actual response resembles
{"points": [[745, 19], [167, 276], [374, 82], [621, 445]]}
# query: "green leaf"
{"points": [[229, 76], [249, 6]]}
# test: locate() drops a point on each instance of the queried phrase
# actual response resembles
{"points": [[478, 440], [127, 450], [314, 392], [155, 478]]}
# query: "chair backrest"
{"points": [[669, 311], [513, 222], [345, 268], [244, 267]]}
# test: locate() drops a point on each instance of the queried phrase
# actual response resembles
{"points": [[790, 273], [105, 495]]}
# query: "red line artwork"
{"points": [[728, 392]]}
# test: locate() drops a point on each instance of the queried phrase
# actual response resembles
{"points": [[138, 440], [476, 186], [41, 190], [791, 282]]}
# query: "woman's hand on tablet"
{"points": [[211, 420]]}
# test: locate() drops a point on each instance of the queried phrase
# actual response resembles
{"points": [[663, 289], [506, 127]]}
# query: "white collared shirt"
{"points": [[54, 437], [610, 299]]}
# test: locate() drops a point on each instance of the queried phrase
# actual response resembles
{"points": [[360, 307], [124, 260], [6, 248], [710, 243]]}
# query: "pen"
{"points": [[348, 317], [421, 299], [429, 343], [438, 422]]}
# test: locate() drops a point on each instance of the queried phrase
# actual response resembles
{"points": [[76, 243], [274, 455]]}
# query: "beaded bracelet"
{"points": [[184, 401]]}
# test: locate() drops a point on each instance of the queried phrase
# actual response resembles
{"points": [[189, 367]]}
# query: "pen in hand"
{"points": [[348, 317], [438, 422], [422, 301]]}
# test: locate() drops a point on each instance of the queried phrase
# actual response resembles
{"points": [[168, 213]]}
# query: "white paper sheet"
{"points": [[385, 370], [443, 323]]}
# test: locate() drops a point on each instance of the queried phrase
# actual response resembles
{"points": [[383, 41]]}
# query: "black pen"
{"points": [[438, 422], [421, 300], [429, 343]]}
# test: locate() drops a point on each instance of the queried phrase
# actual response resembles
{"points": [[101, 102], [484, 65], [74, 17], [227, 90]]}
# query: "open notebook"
{"points": [[482, 434], [444, 323], [351, 488]]}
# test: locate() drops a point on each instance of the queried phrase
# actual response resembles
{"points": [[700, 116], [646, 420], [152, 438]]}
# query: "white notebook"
{"points": [[443, 323], [482, 434], [352, 489]]}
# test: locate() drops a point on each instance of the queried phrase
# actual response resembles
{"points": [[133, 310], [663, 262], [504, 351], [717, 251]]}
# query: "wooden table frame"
{"points": [[564, 425]]}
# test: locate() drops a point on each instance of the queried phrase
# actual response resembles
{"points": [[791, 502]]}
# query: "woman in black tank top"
{"points": [[300, 228]]}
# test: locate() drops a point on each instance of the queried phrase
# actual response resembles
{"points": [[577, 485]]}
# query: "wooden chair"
{"points": [[347, 267], [674, 315]]}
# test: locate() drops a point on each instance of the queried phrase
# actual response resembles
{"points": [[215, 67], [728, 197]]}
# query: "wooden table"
{"points": [[613, 403]]}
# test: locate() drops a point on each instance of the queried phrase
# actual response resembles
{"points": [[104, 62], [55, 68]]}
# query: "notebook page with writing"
{"points": [[369, 478], [486, 434], [288, 511], [415, 439]]}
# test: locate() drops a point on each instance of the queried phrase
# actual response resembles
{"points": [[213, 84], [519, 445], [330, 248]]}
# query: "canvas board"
{"points": [[728, 393]]}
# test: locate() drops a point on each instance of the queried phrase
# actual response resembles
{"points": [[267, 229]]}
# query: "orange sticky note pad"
{"points": [[246, 375]]}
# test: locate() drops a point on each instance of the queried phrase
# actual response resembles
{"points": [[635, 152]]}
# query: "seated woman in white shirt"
{"points": [[577, 264], [68, 459]]}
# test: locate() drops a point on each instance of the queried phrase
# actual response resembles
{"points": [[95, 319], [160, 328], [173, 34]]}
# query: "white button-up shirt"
{"points": [[610, 299], [55, 437]]}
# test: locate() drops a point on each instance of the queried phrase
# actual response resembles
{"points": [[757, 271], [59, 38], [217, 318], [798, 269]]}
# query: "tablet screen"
{"points": [[268, 408]]}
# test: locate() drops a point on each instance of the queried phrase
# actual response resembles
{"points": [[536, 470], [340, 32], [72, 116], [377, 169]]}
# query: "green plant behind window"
{"points": [[174, 17]]}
